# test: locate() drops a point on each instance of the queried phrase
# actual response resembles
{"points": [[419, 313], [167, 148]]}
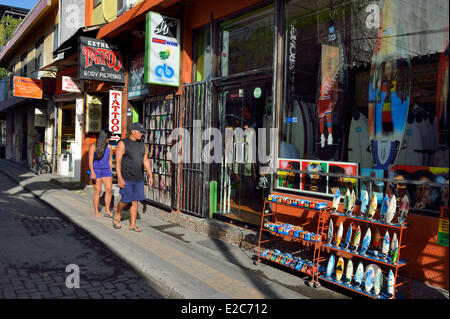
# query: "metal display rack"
{"points": [[369, 257], [305, 260], [159, 121]]}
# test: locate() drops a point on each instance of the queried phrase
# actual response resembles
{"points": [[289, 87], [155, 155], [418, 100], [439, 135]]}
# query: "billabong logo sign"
{"points": [[167, 28]]}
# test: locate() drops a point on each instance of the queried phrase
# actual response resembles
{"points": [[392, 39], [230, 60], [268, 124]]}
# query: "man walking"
{"points": [[131, 159]]}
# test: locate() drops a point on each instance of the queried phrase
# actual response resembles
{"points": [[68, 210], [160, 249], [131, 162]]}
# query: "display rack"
{"points": [[303, 260], [369, 257], [159, 122]]}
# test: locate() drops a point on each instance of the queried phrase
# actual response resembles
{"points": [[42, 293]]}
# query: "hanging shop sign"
{"points": [[162, 50], [136, 85], [69, 84], [40, 117], [99, 60], [93, 114], [27, 87], [115, 111]]}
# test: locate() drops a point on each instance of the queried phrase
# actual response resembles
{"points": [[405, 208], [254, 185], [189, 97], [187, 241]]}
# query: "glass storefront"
{"points": [[366, 93]]}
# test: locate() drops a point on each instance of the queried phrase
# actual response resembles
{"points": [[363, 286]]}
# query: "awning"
{"points": [[72, 42], [60, 64]]}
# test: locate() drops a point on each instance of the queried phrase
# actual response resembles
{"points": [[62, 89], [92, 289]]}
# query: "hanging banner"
{"points": [[99, 60], [162, 50], [115, 111], [136, 85], [27, 87]]}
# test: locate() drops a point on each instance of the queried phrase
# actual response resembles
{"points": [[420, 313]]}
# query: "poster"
{"points": [[314, 182], [421, 196], [136, 85], [287, 180], [343, 183]]}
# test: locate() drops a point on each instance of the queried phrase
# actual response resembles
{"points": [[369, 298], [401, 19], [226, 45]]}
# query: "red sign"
{"points": [[115, 111]]}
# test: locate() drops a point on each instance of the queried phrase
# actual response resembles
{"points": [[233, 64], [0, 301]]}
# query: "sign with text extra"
{"points": [[115, 111], [162, 50], [99, 60]]}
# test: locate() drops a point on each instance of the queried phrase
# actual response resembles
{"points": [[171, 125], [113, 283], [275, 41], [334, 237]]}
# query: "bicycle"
{"points": [[42, 165]]}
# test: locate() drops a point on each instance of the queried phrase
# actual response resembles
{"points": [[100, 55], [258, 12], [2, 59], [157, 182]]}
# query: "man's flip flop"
{"points": [[116, 226], [108, 215], [136, 229]]}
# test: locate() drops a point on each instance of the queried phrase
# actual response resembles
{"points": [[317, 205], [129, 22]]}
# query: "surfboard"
{"points": [[372, 207], [339, 234], [390, 283], [358, 141], [339, 268], [388, 100], [295, 128], [357, 238], [330, 232], [392, 208], [330, 266], [385, 246], [376, 243], [351, 204], [336, 199], [384, 206], [404, 209], [364, 202], [359, 275], [349, 272], [348, 237], [346, 201], [366, 241], [378, 281], [369, 278], [394, 249]]}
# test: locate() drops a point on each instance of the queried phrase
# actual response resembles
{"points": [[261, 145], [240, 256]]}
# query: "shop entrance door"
{"points": [[243, 111]]}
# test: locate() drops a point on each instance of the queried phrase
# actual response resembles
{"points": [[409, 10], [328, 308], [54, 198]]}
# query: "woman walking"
{"points": [[100, 164]]}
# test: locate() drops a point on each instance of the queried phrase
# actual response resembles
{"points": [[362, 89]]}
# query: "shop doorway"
{"points": [[66, 140], [243, 110]]}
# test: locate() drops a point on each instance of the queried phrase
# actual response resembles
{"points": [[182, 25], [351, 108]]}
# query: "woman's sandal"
{"points": [[136, 229]]}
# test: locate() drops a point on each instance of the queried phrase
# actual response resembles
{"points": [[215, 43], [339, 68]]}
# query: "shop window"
{"points": [[366, 82], [202, 47], [247, 42]]}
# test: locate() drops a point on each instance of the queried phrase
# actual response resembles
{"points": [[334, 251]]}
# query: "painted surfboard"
{"points": [[364, 202], [351, 204], [372, 207], [385, 246], [376, 242], [359, 274], [388, 101], [369, 277], [384, 206], [346, 201], [392, 208], [358, 141], [336, 199], [394, 249], [378, 280], [348, 237], [390, 283], [330, 232], [366, 241], [330, 266], [404, 209], [339, 268], [339, 234], [357, 238], [349, 272]]}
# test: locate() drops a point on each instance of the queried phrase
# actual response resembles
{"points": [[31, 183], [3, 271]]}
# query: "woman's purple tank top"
{"points": [[102, 163]]}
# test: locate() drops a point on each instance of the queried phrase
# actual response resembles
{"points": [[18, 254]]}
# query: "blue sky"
{"points": [[27, 4]]}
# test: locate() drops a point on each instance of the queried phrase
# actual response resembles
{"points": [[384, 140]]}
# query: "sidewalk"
{"points": [[184, 262]]}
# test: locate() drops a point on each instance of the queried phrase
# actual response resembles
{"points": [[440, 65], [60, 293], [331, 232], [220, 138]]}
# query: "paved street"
{"points": [[37, 245]]}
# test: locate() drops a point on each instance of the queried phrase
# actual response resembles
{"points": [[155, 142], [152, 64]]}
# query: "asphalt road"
{"points": [[37, 245]]}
